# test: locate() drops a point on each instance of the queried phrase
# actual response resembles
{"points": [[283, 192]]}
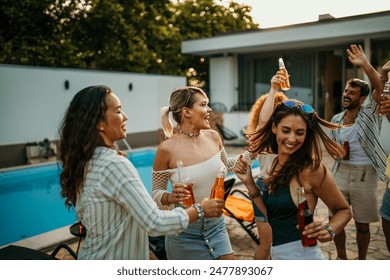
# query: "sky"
{"points": [[273, 13]]}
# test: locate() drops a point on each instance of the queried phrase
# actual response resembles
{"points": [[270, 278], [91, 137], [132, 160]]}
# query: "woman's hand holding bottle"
{"points": [[179, 193], [212, 208]]}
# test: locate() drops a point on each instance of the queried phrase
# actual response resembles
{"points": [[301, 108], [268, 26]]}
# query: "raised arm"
{"points": [[269, 103], [358, 58]]}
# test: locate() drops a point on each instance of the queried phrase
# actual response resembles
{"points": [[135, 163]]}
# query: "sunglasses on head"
{"points": [[304, 107]]}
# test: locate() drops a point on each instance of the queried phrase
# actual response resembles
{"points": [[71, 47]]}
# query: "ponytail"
{"points": [[166, 121]]}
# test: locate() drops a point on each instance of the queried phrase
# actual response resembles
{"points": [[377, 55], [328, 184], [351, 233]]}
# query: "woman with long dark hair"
{"points": [[259, 113], [105, 188], [294, 133]]}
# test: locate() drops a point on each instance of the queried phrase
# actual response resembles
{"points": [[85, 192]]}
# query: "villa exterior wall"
{"points": [[33, 101], [242, 63]]}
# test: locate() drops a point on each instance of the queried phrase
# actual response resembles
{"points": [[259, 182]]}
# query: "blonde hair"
{"points": [[180, 98]]}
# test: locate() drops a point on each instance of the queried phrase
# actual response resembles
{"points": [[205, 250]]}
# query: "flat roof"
{"points": [[327, 32]]}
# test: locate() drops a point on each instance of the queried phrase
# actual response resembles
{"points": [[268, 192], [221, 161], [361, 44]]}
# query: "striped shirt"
{"points": [[118, 212], [368, 124]]}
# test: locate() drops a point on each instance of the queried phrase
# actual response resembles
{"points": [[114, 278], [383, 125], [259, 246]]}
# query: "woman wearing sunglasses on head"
{"points": [[293, 132]]}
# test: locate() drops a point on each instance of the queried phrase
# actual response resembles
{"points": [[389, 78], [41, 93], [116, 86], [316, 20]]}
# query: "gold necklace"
{"points": [[189, 133]]}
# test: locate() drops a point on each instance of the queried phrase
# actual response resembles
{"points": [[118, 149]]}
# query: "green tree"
{"points": [[162, 40], [121, 35], [36, 32], [205, 18], [105, 40]]}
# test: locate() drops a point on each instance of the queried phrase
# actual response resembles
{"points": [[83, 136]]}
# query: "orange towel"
{"points": [[240, 207]]}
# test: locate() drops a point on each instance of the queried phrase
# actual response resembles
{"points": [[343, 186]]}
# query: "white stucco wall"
{"points": [[223, 80], [236, 121], [33, 99]]}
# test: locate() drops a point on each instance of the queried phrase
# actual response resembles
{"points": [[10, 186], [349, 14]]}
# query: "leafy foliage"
{"points": [[121, 35], [205, 18]]}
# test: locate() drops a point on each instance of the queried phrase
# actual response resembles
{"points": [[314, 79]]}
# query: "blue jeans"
{"points": [[385, 208], [205, 239]]}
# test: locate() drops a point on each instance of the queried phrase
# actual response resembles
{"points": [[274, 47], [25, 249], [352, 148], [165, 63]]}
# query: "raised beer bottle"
{"points": [[304, 217], [385, 96], [184, 179], [218, 190], [285, 85]]}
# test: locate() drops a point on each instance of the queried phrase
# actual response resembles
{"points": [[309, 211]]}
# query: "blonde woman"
{"points": [[201, 150]]}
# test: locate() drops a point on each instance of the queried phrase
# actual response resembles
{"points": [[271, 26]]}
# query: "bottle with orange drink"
{"points": [[218, 190], [285, 85], [185, 180]]}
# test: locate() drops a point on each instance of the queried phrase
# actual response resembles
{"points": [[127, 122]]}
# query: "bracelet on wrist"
{"points": [[168, 199], [199, 208], [331, 232], [254, 195]]}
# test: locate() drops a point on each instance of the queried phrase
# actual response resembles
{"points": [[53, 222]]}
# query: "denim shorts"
{"points": [[259, 216], [205, 239], [295, 251], [385, 208]]}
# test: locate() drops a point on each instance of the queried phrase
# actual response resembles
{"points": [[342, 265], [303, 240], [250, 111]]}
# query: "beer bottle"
{"points": [[184, 179], [218, 190], [347, 149], [385, 96], [285, 85], [304, 217]]}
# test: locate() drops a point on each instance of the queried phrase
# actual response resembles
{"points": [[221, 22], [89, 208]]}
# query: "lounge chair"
{"points": [[240, 208], [156, 244], [13, 252], [78, 230], [226, 133]]}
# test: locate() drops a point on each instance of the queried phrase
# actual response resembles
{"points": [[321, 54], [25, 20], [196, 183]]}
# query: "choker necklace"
{"points": [[189, 133]]}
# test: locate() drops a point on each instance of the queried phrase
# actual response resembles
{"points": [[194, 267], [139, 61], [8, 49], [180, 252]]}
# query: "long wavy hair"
{"points": [[309, 155], [256, 108], [180, 98], [79, 137]]}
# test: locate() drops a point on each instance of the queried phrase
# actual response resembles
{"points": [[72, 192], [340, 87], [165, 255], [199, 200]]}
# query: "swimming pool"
{"points": [[30, 201]]}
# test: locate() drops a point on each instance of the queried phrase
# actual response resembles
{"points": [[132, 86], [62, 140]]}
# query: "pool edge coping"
{"points": [[45, 240], [48, 240]]}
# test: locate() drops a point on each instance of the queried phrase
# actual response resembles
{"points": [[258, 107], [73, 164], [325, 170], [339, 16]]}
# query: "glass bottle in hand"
{"points": [[218, 190], [385, 96], [285, 85], [184, 179], [304, 217]]}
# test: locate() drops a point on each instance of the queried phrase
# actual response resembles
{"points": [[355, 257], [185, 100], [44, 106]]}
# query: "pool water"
{"points": [[30, 201]]}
